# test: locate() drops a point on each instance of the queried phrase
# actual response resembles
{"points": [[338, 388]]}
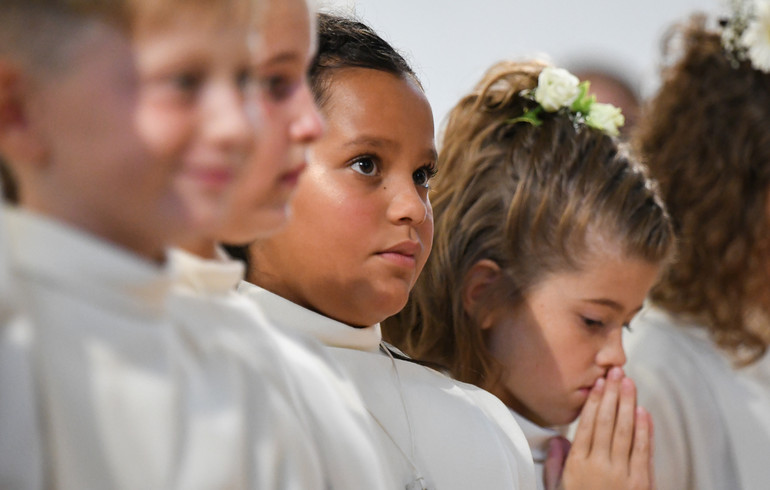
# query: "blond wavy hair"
{"points": [[706, 139], [527, 198]]}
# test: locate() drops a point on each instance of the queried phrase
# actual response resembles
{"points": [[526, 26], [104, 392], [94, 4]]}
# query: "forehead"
{"points": [[283, 27], [155, 14], [365, 99]]}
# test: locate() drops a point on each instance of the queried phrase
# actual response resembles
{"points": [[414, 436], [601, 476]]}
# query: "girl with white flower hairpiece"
{"points": [[548, 238], [699, 352]]}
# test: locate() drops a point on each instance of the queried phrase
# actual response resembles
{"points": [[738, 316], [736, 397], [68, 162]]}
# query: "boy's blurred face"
{"points": [[141, 138]]}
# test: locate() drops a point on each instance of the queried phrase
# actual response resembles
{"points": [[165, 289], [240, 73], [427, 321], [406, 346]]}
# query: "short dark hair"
{"points": [[348, 43]]}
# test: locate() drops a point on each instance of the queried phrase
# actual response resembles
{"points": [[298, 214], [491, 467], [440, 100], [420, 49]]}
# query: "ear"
{"points": [[479, 279], [18, 140]]}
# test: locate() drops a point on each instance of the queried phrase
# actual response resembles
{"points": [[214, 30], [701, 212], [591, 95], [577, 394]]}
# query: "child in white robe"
{"points": [[125, 123], [699, 352], [259, 204], [359, 234], [548, 238]]}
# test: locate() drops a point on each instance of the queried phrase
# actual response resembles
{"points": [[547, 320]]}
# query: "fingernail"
{"points": [[615, 374], [599, 384], [626, 384]]}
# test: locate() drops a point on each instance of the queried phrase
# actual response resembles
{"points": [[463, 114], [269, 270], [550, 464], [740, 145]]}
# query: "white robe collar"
{"points": [[71, 259], [537, 436], [290, 316], [206, 276]]}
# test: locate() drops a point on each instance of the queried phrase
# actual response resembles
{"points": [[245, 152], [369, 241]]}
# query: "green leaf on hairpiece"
{"points": [[529, 116], [583, 102]]}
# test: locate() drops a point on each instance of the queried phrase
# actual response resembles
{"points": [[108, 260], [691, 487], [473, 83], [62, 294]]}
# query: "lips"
{"points": [[403, 254], [213, 177], [291, 178]]}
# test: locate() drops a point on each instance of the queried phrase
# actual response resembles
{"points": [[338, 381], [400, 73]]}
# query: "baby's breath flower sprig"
{"points": [[560, 91], [746, 33]]}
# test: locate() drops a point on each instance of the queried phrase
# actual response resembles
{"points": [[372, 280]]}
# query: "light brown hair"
{"points": [[706, 139], [526, 197], [39, 33]]}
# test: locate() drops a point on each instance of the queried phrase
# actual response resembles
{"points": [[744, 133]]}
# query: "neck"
{"points": [[203, 248], [123, 235]]}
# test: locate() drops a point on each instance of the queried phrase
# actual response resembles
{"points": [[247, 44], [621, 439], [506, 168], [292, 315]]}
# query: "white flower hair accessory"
{"points": [[746, 33], [560, 91]]}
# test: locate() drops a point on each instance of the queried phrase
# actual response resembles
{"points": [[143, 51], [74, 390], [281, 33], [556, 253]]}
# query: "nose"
{"points": [[308, 124], [227, 120], [407, 205], [611, 352]]}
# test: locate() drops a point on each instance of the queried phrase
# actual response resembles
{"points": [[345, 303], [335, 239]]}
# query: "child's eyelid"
{"points": [[591, 321], [432, 170], [377, 171]]}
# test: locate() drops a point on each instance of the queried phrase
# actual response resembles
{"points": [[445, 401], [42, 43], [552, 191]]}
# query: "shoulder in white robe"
{"points": [[328, 405], [101, 388], [452, 435], [712, 420]]}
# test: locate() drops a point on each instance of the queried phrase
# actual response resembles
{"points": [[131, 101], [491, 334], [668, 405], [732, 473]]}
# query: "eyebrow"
{"points": [[611, 304], [279, 58], [372, 141], [379, 142]]}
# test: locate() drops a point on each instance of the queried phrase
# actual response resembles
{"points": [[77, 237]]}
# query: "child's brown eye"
{"points": [[365, 166], [423, 175]]}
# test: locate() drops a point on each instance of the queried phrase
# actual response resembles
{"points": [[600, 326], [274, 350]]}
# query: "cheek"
{"points": [[272, 147], [425, 234], [165, 132]]}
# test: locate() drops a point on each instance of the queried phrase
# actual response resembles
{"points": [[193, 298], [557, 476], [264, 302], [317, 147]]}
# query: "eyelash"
{"points": [[598, 324], [429, 170], [366, 158], [590, 322]]}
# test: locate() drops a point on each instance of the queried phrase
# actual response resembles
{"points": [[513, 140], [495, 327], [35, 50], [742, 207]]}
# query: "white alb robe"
{"points": [[329, 405], [454, 435], [100, 389], [537, 438], [712, 420]]}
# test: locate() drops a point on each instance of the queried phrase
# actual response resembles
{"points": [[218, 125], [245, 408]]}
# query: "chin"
{"points": [[270, 222]]}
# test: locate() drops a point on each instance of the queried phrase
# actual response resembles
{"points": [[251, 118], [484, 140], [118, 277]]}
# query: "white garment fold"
{"points": [[712, 420], [537, 438], [463, 437], [107, 381], [326, 401]]}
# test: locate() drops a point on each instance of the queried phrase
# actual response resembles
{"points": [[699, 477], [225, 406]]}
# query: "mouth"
{"points": [[291, 178], [403, 254], [214, 178], [586, 389]]}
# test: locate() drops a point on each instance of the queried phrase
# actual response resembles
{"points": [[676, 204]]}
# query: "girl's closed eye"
{"points": [[592, 322], [365, 165], [424, 174]]}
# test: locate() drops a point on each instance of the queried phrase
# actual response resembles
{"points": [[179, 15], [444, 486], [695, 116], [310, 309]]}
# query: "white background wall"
{"points": [[451, 42]]}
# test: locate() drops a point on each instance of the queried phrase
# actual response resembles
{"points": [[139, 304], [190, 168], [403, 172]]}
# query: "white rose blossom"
{"points": [[606, 117], [556, 88], [756, 38]]}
